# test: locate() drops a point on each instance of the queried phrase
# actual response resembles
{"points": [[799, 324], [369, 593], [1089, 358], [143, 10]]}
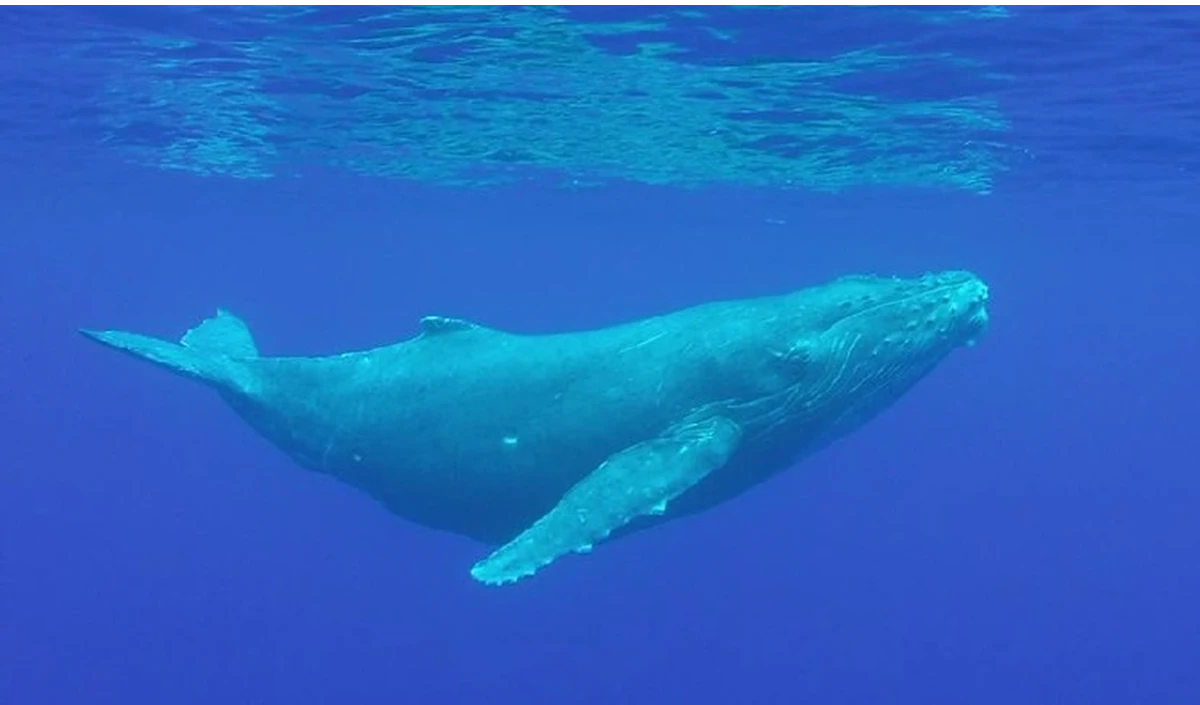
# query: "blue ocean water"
{"points": [[1021, 527]]}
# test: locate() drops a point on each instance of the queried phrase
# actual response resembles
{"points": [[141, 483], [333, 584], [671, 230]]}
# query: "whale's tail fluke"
{"points": [[213, 352]]}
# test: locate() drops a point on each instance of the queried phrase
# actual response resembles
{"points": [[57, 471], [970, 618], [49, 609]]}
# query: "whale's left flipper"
{"points": [[637, 481]]}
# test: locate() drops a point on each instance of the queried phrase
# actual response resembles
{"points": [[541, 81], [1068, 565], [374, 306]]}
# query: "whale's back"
{"points": [[475, 431]]}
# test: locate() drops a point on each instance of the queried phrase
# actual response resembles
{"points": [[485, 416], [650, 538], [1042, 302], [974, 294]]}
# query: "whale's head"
{"points": [[893, 319], [859, 343]]}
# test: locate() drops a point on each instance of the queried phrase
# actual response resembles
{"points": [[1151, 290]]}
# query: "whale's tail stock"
{"points": [[213, 352]]}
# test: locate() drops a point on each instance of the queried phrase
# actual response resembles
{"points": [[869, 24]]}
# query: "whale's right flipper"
{"points": [[210, 352], [637, 481]]}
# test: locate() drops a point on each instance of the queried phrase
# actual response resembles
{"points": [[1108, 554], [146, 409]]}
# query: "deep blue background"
{"points": [[1021, 528]]}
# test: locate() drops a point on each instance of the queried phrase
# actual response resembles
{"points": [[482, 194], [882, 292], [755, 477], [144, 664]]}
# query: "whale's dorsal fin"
{"points": [[637, 481], [441, 325]]}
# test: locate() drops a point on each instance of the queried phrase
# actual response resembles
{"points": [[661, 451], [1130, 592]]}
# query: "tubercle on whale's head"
{"points": [[927, 315]]}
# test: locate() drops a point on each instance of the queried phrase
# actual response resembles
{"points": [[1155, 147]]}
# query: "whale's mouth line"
{"points": [[903, 299]]}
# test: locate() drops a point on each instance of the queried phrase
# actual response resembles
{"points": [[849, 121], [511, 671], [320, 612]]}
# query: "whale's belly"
{"points": [[482, 460]]}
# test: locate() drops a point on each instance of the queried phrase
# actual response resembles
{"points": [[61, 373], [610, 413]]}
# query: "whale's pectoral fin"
{"points": [[637, 481]]}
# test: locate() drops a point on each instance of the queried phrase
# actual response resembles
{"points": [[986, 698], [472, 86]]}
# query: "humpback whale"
{"points": [[545, 445]]}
